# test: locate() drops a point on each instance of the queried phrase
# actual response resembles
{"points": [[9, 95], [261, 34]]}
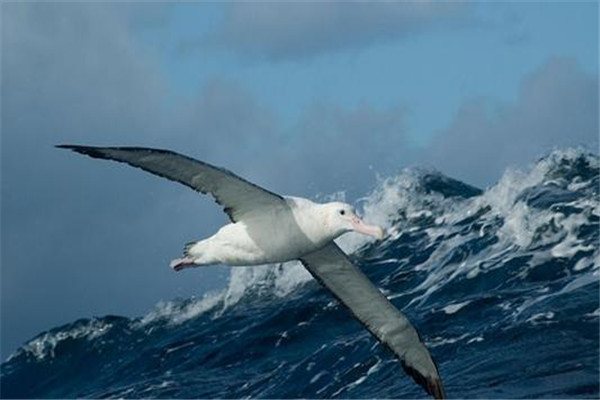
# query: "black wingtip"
{"points": [[72, 147], [432, 385], [94, 152], [436, 388]]}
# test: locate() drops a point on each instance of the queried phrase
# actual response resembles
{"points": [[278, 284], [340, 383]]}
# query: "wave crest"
{"points": [[450, 211]]}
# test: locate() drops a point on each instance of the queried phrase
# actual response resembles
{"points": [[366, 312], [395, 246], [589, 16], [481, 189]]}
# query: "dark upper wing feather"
{"points": [[235, 194], [332, 268]]}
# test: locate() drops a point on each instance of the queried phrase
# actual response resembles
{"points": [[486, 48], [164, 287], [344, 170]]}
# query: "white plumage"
{"points": [[275, 234], [268, 228]]}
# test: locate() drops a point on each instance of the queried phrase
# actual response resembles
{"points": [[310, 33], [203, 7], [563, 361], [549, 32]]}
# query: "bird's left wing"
{"points": [[237, 196], [332, 268]]}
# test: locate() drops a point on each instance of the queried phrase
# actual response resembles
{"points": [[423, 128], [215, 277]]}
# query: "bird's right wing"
{"points": [[332, 268], [235, 194]]}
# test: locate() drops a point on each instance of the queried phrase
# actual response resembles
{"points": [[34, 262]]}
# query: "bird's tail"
{"points": [[188, 260], [180, 263], [188, 246], [198, 253]]}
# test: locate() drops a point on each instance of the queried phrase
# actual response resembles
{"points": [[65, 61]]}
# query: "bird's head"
{"points": [[342, 218]]}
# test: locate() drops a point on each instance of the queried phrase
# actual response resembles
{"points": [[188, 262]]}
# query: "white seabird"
{"points": [[268, 228]]}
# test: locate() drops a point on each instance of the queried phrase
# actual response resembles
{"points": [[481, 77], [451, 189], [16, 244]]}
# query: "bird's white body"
{"points": [[270, 228], [275, 235]]}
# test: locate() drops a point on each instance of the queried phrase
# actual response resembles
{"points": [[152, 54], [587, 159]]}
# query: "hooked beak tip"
{"points": [[365, 229]]}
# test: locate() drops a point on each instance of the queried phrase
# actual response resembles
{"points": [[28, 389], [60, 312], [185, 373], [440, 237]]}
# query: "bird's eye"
{"points": [[342, 212]]}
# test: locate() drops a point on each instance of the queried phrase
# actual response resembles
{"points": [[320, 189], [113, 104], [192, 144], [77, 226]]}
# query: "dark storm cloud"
{"points": [[303, 29], [73, 73], [343, 149], [82, 237], [557, 107], [226, 117], [329, 148]]}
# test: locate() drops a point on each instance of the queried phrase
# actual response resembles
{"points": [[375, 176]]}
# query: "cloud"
{"points": [[328, 148], [344, 149], [279, 31], [557, 107], [83, 237], [75, 73], [225, 118]]}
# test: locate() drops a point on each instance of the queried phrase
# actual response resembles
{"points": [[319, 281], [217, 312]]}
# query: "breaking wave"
{"points": [[502, 284]]}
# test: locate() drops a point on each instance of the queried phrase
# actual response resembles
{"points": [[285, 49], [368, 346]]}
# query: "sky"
{"points": [[305, 99]]}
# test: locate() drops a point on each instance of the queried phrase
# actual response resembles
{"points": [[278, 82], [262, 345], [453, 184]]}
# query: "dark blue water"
{"points": [[503, 285]]}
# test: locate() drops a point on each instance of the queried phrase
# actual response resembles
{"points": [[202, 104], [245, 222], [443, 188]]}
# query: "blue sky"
{"points": [[431, 72], [303, 98]]}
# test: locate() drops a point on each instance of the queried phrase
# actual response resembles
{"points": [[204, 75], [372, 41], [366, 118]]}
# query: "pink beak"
{"points": [[359, 226]]}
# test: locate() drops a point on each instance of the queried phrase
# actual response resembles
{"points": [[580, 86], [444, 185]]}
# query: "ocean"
{"points": [[502, 285]]}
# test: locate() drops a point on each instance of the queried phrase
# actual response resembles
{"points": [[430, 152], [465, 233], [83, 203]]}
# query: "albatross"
{"points": [[268, 228]]}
